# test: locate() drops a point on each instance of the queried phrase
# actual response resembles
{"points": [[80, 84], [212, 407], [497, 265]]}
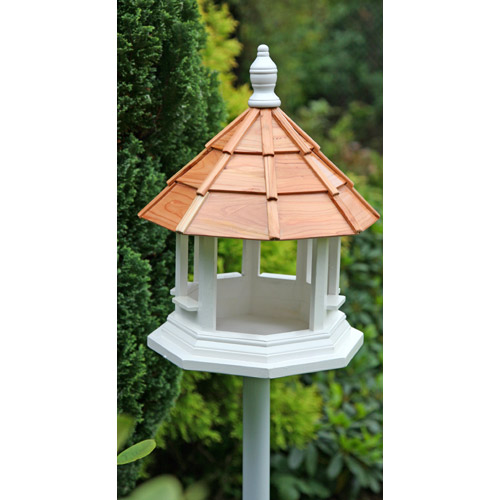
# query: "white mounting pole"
{"points": [[256, 438]]}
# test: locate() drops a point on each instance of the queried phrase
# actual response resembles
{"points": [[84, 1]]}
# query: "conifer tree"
{"points": [[168, 106]]}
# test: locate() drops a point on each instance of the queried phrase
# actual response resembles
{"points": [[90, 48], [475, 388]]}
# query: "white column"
{"points": [[250, 265], [301, 269], [196, 258], [309, 260], [256, 438], [334, 265], [181, 264], [207, 291], [319, 283]]}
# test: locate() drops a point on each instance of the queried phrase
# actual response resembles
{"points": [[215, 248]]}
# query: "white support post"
{"points": [[309, 260], [181, 264], [256, 438], [319, 283], [196, 258], [251, 258], [301, 269], [334, 265], [207, 291]]}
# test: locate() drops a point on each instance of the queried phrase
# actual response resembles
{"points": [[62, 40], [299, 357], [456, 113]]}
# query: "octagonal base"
{"points": [[269, 355]]}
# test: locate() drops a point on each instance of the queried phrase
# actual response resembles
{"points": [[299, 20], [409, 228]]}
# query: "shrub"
{"points": [[168, 107]]}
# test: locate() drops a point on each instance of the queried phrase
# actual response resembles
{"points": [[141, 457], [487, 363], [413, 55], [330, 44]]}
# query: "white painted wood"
{"points": [[207, 292], [334, 265], [257, 355], [181, 264], [334, 302], [191, 287], [319, 284], [255, 324], [185, 302], [256, 438], [309, 260], [233, 296], [250, 265], [276, 276], [196, 258], [263, 75], [226, 276], [278, 296], [301, 266], [272, 338]]}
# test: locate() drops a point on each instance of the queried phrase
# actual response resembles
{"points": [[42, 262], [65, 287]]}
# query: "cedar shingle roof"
{"points": [[261, 178]]}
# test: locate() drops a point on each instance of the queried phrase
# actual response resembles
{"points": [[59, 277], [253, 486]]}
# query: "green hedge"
{"points": [[168, 107]]}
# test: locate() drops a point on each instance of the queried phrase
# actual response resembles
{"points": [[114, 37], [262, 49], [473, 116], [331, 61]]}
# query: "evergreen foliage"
{"points": [[335, 51], [168, 107], [221, 52], [330, 50]]}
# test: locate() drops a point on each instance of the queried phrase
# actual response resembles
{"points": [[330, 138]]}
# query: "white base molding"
{"points": [[269, 355]]}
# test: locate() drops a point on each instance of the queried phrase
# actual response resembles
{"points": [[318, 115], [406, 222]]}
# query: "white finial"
{"points": [[263, 75]]}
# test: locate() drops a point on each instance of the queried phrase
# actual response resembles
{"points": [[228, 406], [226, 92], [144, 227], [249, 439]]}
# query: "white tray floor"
{"points": [[249, 323]]}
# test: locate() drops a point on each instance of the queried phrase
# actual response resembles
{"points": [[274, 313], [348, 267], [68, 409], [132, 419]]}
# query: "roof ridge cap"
{"points": [[190, 213], [347, 214], [301, 132], [320, 175], [286, 126], [241, 130], [188, 166], [266, 132], [227, 128], [213, 174]]}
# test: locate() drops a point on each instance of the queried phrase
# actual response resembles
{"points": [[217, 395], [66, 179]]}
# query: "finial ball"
{"points": [[262, 48]]}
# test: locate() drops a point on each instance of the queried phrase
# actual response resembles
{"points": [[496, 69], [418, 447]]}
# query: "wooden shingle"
{"points": [[262, 177]]}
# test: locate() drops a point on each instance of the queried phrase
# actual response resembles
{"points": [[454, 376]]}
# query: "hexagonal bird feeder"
{"points": [[261, 178]]}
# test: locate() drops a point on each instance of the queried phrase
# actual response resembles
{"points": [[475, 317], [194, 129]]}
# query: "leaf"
{"points": [[197, 491], [311, 459], [288, 492], [295, 458], [124, 427], [159, 488], [136, 451], [336, 394], [314, 489], [357, 470], [374, 484], [335, 466], [286, 486]]}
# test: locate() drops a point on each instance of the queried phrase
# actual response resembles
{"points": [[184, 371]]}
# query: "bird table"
{"points": [[261, 178]]}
